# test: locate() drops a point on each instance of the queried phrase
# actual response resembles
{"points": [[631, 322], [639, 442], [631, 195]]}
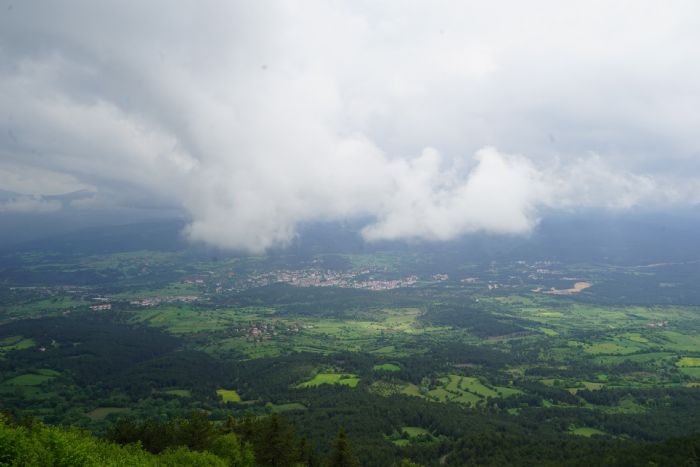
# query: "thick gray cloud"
{"points": [[433, 119], [33, 204]]}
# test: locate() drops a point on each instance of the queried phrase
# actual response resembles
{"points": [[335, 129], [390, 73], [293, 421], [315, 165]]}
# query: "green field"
{"points": [[44, 307], [228, 395], [406, 435], [346, 379], [691, 372], [689, 362], [451, 388], [386, 367], [29, 379], [8, 344], [681, 341], [591, 386], [283, 334], [587, 432], [413, 431], [178, 392], [184, 319], [611, 348], [101, 413]]}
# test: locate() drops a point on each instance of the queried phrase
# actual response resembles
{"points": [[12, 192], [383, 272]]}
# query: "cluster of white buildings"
{"points": [[154, 301], [317, 278]]}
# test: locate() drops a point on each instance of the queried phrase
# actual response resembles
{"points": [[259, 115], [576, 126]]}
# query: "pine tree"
{"points": [[196, 431], [342, 452], [277, 449], [306, 454], [407, 463]]}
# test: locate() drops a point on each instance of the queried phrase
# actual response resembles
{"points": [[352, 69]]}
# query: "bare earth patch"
{"points": [[577, 288]]}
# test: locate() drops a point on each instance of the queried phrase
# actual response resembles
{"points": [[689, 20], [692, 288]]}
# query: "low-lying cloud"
{"points": [[432, 120], [30, 204]]}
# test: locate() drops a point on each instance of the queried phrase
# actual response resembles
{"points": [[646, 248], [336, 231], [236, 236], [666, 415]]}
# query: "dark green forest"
{"points": [[184, 356]]}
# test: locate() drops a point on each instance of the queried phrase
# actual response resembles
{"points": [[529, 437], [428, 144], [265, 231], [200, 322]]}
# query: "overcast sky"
{"points": [[431, 119]]}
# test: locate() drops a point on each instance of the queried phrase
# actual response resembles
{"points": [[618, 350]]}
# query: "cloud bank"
{"points": [[432, 120], [31, 204]]}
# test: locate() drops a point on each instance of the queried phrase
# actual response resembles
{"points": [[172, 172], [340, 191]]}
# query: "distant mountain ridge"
{"points": [[594, 237]]}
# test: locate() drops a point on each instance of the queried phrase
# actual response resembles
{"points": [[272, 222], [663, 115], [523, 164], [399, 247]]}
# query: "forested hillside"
{"points": [[190, 441], [195, 441], [36, 444]]}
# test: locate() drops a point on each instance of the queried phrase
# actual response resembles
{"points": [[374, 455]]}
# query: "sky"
{"points": [[430, 120]]}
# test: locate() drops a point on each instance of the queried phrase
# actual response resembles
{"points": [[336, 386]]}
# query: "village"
{"points": [[260, 331], [317, 278], [534, 276]]}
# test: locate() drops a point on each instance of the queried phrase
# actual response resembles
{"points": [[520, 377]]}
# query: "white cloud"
{"points": [[256, 118], [590, 182], [500, 194], [28, 180]]}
